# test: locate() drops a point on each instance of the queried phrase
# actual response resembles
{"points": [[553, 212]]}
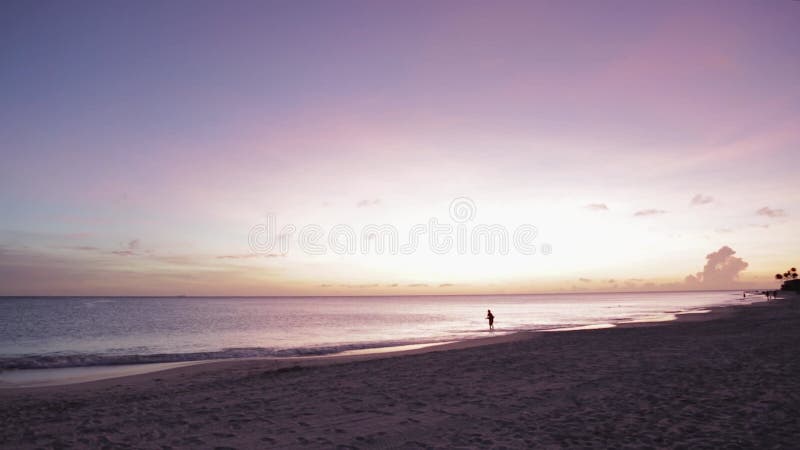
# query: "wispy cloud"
{"points": [[585, 280], [243, 256], [129, 249], [368, 202], [597, 206], [769, 212], [34, 272], [78, 235], [701, 199], [251, 255], [80, 248], [359, 286], [649, 212]]}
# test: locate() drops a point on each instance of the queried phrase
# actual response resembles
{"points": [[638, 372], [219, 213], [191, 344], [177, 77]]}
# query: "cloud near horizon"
{"points": [[252, 255], [80, 248], [597, 207], [722, 269], [130, 249]]}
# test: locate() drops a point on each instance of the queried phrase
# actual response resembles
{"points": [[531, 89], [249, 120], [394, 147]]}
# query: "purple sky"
{"points": [[140, 142]]}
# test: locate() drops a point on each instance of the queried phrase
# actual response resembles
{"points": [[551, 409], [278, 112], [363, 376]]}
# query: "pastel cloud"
{"points": [[252, 255], [368, 202], [242, 256], [721, 271], [597, 207], [130, 249], [81, 248], [649, 212], [701, 199], [25, 271], [769, 212]]}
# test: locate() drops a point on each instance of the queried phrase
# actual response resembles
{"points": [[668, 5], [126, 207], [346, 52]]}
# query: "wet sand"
{"points": [[730, 378]]}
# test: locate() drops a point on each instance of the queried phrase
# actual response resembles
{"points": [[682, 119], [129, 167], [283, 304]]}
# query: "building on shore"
{"points": [[791, 285]]}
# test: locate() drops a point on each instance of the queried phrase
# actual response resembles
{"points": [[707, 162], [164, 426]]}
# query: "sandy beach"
{"points": [[724, 379]]}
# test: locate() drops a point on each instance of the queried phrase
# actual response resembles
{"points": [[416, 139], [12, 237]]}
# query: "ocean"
{"points": [[62, 332]]}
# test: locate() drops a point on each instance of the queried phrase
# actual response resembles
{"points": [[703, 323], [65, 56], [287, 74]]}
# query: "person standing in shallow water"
{"points": [[490, 316]]}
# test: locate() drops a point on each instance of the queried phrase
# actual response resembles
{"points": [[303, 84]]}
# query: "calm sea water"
{"points": [[74, 331]]}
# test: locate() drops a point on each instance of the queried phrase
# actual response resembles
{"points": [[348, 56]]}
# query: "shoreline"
{"points": [[190, 368], [54, 378]]}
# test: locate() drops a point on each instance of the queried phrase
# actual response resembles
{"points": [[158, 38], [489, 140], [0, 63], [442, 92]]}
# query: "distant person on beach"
{"points": [[490, 316]]}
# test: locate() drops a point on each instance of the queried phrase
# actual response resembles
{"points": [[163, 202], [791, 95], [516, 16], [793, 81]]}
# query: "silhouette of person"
{"points": [[490, 316]]}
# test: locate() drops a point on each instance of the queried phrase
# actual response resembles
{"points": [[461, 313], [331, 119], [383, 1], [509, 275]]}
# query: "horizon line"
{"points": [[388, 295]]}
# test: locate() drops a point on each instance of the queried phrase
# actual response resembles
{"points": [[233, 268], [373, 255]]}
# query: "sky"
{"points": [[207, 148]]}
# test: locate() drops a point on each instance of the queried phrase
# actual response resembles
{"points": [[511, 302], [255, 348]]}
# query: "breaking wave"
{"points": [[51, 361]]}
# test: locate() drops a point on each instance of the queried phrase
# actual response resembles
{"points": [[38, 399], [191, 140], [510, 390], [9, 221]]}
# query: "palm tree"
{"points": [[790, 274]]}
